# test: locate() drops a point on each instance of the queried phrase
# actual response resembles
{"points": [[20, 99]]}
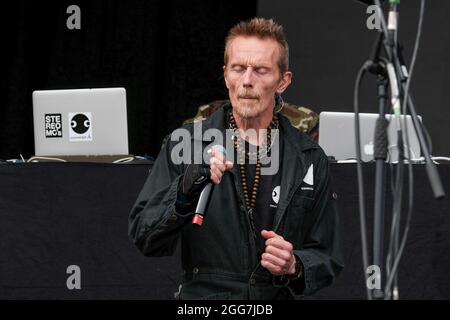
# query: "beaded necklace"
{"points": [[239, 145]]}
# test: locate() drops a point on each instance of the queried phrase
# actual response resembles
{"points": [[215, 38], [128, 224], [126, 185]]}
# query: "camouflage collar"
{"points": [[292, 136]]}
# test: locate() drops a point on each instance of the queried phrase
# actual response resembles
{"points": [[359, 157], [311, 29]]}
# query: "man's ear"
{"points": [[225, 76], [285, 81]]}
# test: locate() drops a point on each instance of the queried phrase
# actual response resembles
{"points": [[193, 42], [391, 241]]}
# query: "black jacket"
{"points": [[220, 259]]}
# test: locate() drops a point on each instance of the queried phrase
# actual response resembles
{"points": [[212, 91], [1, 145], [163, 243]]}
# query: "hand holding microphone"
{"points": [[218, 167], [199, 179]]}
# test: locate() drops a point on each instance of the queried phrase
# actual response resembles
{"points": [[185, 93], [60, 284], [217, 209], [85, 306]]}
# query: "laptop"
{"points": [[337, 136], [80, 124]]}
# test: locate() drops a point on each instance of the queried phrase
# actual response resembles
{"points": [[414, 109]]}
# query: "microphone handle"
{"points": [[202, 204]]}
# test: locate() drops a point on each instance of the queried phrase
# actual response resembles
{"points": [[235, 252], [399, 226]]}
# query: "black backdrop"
{"points": [[168, 55]]}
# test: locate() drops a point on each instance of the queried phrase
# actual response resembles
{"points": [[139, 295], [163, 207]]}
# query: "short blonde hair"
{"points": [[262, 29]]}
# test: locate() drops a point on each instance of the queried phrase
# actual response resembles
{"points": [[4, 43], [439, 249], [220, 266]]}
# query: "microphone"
{"points": [[205, 195], [202, 204]]}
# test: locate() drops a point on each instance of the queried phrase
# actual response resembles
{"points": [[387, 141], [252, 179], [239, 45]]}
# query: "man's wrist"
{"points": [[298, 269]]}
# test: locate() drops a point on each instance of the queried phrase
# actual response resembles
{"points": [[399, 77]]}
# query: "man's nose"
{"points": [[248, 78]]}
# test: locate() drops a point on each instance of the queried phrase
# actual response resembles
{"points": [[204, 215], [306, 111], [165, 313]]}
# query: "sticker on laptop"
{"points": [[53, 125], [80, 126]]}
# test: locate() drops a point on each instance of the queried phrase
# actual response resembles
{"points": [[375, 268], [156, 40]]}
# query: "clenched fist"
{"points": [[278, 257]]}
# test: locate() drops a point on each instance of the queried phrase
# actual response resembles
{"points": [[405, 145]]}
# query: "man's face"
{"points": [[252, 76]]}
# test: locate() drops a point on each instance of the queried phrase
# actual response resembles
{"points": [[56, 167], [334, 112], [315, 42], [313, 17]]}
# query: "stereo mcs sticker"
{"points": [[53, 125], [80, 126]]}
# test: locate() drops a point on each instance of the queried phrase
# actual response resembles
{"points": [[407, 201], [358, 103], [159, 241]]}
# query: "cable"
{"points": [[36, 159], [427, 136], [124, 160], [382, 20], [362, 214], [396, 219], [397, 204], [413, 60], [411, 176], [385, 32], [440, 158]]}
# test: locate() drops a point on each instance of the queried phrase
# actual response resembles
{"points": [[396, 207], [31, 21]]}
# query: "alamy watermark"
{"points": [[374, 20], [189, 148], [74, 280], [373, 280], [74, 20]]}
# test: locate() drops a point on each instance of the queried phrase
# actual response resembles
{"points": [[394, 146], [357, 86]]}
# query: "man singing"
{"points": [[268, 234]]}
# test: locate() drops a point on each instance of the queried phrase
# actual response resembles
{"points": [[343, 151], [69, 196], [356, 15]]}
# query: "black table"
{"points": [[54, 215]]}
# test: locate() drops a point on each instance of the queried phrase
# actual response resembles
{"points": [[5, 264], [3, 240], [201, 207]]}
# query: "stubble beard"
{"points": [[248, 109]]}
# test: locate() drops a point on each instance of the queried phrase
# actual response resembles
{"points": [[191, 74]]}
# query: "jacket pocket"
{"points": [[297, 213], [304, 202]]}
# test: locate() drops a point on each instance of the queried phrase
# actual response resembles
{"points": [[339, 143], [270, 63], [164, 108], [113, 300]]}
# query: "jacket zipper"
{"points": [[249, 216]]}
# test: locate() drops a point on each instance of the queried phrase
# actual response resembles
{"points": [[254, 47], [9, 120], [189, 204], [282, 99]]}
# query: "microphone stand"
{"points": [[395, 73], [380, 155], [395, 55], [398, 76]]}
